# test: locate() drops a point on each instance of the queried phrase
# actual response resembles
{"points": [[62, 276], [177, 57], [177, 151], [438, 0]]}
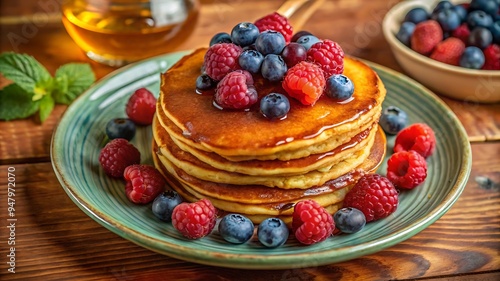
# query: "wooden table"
{"points": [[55, 240]]}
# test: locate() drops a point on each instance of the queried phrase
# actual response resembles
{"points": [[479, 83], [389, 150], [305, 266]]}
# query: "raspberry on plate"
{"points": [[141, 107], [311, 222], [220, 59], [304, 82], [143, 183], [406, 169], [418, 137], [329, 55], [462, 32], [117, 155], [449, 51], [426, 36], [276, 22], [194, 220], [234, 92], [374, 195], [492, 57]]}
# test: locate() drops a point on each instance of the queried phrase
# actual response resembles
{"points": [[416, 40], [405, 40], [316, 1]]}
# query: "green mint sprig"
{"points": [[35, 90]]}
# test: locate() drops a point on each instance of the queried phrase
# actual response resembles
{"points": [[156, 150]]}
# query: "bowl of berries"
{"points": [[451, 47]]}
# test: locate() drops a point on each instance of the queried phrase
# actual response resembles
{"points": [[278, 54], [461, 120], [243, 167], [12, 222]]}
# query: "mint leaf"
{"points": [[24, 70], [16, 103], [46, 105], [71, 80]]}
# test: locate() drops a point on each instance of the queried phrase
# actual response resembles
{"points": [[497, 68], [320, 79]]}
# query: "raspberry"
{"points": [[220, 59], [329, 55], [141, 107], [276, 22], [406, 169], [492, 57], [234, 92], [143, 183], [117, 155], [419, 137], [374, 195], [449, 51], [426, 36], [305, 82], [462, 32], [311, 222], [194, 220]]}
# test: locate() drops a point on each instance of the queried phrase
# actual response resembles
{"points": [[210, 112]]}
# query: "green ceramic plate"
{"points": [[80, 136]]}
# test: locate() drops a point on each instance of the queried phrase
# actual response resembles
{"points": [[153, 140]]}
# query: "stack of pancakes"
{"points": [[244, 163]]}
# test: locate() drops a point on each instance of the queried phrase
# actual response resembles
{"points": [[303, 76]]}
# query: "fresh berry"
{"points": [[349, 220], [272, 232], [449, 51], [270, 42], [393, 120], [490, 7], [308, 40], [120, 128], [299, 34], [233, 92], [442, 5], [329, 55], [251, 60], [276, 22], [220, 59], [492, 57], [244, 34], [304, 82], [221, 37], [462, 32], [418, 137], [404, 33], [248, 76], [274, 106], [204, 82], [117, 155], [164, 204], [293, 53], [479, 18], [236, 228], [480, 37], [339, 87], [416, 15], [472, 58], [194, 220], [406, 169], [311, 222], [374, 195], [448, 19], [141, 107], [461, 11], [143, 183], [273, 68], [495, 32], [426, 36]]}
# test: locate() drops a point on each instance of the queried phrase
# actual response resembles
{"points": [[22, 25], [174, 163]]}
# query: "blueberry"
{"points": [[448, 19], [393, 120], [251, 60], [299, 34], [120, 128], [488, 6], [461, 12], [274, 106], [270, 42], [479, 18], [349, 220], [416, 15], [442, 5], [204, 82], [307, 41], [236, 228], [339, 87], [405, 31], [244, 34], [221, 37], [272, 232], [273, 68], [472, 58], [495, 32], [480, 37], [164, 204]]}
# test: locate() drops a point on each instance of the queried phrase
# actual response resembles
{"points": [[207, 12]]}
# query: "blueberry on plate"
{"points": [[164, 204], [274, 106], [448, 19], [393, 120], [479, 18], [236, 228], [204, 82], [244, 34], [273, 67], [299, 34], [307, 41], [120, 128], [272, 232], [405, 31], [488, 6], [221, 37], [270, 42], [339, 87], [349, 220], [416, 15], [250, 60], [472, 57]]}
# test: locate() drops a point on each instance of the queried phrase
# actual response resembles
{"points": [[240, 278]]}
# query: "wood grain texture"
{"points": [[55, 240]]}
